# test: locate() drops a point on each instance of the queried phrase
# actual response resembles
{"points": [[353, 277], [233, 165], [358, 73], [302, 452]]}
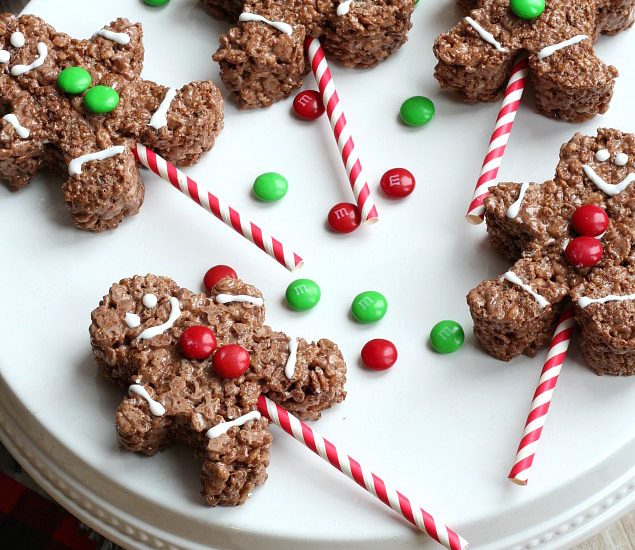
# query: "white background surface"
{"points": [[442, 428]]}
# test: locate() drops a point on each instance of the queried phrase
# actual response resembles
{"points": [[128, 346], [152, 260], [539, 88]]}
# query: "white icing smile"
{"points": [[175, 313], [42, 52], [611, 189]]}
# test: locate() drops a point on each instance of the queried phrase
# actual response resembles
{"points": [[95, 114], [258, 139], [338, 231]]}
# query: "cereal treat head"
{"points": [[80, 105], [572, 239], [570, 82], [194, 366], [262, 57]]}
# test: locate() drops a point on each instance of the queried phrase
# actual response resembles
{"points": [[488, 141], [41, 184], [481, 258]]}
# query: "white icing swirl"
{"points": [[223, 427], [132, 320], [242, 298], [121, 38], [149, 300], [485, 35], [289, 369], [75, 166], [175, 313], [585, 302], [344, 7], [17, 39], [160, 117], [281, 26], [550, 50], [611, 189], [516, 280], [19, 129], [156, 408], [42, 52]]}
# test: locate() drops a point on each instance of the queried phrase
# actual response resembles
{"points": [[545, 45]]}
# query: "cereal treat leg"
{"points": [[47, 124], [135, 334]]}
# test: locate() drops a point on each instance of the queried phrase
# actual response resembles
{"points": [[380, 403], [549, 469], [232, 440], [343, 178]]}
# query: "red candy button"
{"points": [[217, 273], [584, 252], [590, 220], [197, 342], [379, 354], [231, 361], [344, 218], [307, 105], [398, 183]]}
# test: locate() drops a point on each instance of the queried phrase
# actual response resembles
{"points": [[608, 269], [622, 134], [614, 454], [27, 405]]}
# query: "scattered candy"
{"points": [[379, 354], [590, 220], [197, 342], [216, 273], [231, 361], [398, 183], [344, 218], [417, 111], [101, 99], [584, 252], [303, 294], [527, 9], [156, 3], [74, 80], [447, 336], [369, 307], [270, 187], [307, 105]]}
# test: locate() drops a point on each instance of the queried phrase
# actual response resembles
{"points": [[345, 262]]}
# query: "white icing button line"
{"points": [[149, 300], [160, 117], [155, 407], [17, 39], [550, 50], [611, 189], [516, 280], [75, 166], [19, 129], [284, 28], [121, 38], [132, 320], [175, 313], [5, 56], [223, 427], [244, 298], [42, 51], [344, 7], [289, 369], [485, 35], [585, 302]]}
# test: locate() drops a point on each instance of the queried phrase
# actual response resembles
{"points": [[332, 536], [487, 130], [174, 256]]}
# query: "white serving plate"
{"points": [[443, 428]]}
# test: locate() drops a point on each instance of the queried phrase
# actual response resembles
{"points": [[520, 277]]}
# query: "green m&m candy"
{"points": [[369, 307], [303, 294], [156, 3], [447, 336], [527, 9], [417, 111], [101, 99], [74, 80], [270, 187]]}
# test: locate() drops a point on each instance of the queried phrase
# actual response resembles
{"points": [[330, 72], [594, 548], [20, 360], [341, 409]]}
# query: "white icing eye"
{"points": [[602, 155], [621, 159], [5, 56], [132, 320], [150, 301], [17, 39]]}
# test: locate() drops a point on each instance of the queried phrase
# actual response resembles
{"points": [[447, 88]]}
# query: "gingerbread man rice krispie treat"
{"points": [[573, 240], [570, 82], [195, 365], [262, 58], [80, 105]]}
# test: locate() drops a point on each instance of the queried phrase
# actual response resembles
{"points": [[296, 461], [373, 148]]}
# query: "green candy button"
{"points": [[101, 99], [270, 187], [303, 294], [369, 307], [417, 111], [527, 9], [74, 80], [447, 336], [156, 3]]}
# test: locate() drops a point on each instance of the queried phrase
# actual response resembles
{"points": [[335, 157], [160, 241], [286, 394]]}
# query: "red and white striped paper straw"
{"points": [[341, 131], [542, 398], [498, 141], [366, 479], [228, 215]]}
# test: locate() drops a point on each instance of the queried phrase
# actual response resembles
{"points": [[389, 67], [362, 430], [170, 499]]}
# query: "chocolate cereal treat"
{"points": [[194, 366], [262, 57], [570, 82], [79, 106], [572, 239]]}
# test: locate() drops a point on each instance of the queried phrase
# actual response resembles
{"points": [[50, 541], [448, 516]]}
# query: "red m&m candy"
{"points": [[197, 342], [379, 354], [584, 252], [590, 220], [344, 218], [398, 183], [217, 273], [307, 105], [231, 361]]}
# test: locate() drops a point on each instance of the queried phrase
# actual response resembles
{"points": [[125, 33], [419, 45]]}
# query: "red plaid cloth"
{"points": [[28, 520]]}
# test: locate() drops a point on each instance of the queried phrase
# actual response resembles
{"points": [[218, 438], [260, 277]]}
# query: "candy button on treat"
{"points": [[101, 99], [344, 218], [584, 252], [307, 105], [379, 354], [447, 336], [216, 273], [398, 183], [590, 220], [231, 361], [303, 294], [156, 3], [417, 111], [74, 80], [270, 187], [527, 9], [369, 307], [197, 342]]}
